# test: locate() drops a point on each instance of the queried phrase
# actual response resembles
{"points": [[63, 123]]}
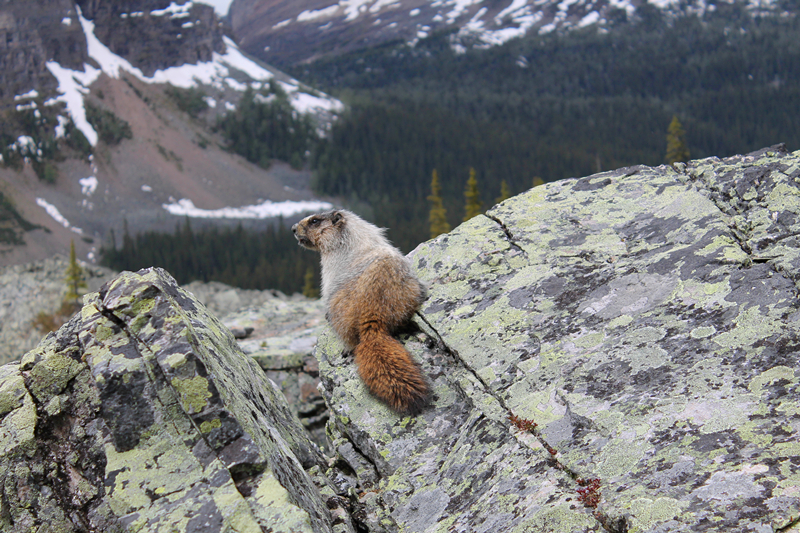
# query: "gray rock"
{"points": [[283, 334], [49, 30], [33, 288], [614, 353], [151, 36], [32, 36], [221, 299], [142, 414], [645, 319]]}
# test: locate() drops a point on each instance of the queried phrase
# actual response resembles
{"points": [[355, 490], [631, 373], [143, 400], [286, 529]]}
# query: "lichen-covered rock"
{"points": [[283, 333], [142, 414], [646, 320]]}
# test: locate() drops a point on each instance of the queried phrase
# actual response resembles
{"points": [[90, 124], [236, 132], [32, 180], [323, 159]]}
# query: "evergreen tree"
{"points": [[505, 192], [472, 196], [676, 142], [438, 214], [309, 289], [74, 277]]}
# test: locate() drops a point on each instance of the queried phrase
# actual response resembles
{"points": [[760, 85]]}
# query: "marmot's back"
{"points": [[371, 292]]}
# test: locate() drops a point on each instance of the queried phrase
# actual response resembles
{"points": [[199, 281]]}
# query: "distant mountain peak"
{"points": [[293, 31]]}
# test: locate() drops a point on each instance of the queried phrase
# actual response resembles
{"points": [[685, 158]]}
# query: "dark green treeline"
{"points": [[540, 107], [249, 259], [552, 106]]}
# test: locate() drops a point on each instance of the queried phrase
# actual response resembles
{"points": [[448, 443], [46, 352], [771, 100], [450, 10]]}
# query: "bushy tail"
{"points": [[389, 371]]}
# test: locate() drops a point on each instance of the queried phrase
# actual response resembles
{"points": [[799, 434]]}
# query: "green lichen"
{"points": [[51, 375], [12, 389], [193, 392], [209, 425], [773, 374], [648, 513]]}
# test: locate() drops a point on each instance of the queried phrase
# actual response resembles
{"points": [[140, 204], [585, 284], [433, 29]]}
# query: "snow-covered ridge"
{"points": [[217, 73], [266, 209], [482, 22]]}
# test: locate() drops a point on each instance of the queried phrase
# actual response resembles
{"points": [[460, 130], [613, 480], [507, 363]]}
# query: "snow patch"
{"points": [[353, 8], [88, 185], [326, 12], [266, 209], [26, 147], [72, 86], [515, 7], [591, 18], [380, 4], [56, 215], [30, 94], [459, 7], [25, 107], [61, 127], [173, 10]]}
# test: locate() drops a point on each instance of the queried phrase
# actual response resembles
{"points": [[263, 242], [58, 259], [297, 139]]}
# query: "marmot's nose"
{"points": [[294, 228]]}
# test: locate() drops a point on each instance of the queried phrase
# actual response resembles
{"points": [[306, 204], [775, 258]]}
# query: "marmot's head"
{"points": [[316, 231]]}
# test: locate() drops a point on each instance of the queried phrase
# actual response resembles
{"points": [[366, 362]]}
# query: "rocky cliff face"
{"points": [[614, 353], [156, 34], [148, 33], [32, 33]]}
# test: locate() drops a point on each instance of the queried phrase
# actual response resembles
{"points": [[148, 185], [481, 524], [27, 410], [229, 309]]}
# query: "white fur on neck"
{"points": [[357, 239]]}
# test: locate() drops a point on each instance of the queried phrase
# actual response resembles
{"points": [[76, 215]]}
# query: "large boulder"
{"points": [[645, 319], [142, 414]]}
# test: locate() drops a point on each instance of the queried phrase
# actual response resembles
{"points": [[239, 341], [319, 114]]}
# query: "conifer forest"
{"points": [[651, 89]]}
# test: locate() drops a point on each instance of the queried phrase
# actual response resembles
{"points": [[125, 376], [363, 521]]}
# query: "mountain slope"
{"points": [[285, 32], [142, 159]]}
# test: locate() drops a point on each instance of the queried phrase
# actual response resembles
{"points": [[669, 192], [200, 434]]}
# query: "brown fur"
{"points": [[371, 292]]}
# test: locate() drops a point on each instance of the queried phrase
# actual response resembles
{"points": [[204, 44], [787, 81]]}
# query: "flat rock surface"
{"points": [[646, 320]]}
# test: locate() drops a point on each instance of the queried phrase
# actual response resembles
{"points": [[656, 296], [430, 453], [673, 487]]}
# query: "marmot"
{"points": [[370, 292]]}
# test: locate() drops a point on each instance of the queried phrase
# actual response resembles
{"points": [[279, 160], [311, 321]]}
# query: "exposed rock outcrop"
{"points": [[148, 33], [281, 335], [142, 413], [32, 33], [646, 319], [614, 353], [279, 332], [156, 34]]}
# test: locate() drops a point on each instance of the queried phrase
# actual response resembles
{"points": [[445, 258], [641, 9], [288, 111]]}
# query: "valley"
{"points": [[190, 130]]}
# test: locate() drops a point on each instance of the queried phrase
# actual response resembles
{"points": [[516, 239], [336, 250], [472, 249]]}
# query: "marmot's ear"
{"points": [[337, 217]]}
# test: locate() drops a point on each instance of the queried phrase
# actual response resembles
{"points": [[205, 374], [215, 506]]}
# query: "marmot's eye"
{"points": [[314, 221]]}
